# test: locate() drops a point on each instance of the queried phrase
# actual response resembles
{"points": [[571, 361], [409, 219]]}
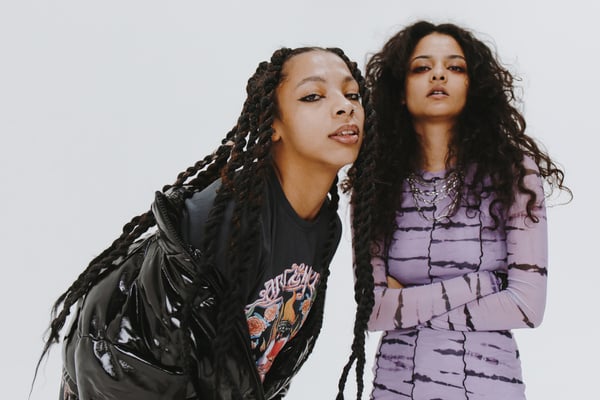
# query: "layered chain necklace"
{"points": [[429, 193]]}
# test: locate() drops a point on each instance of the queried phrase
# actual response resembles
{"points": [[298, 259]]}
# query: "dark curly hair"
{"points": [[241, 161], [489, 135]]}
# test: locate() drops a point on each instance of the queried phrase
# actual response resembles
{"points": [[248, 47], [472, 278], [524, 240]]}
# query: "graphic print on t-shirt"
{"points": [[279, 312]]}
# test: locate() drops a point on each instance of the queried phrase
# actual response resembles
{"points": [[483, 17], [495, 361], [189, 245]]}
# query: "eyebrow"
{"points": [[450, 57], [316, 78]]}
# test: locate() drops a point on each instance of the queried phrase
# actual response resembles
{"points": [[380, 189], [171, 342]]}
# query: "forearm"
{"points": [[124, 341], [522, 304], [416, 305]]}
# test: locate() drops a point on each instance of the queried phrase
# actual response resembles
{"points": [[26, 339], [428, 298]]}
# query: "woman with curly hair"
{"points": [[217, 292], [450, 235]]}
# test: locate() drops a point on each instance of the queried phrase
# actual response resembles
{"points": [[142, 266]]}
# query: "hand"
{"points": [[393, 283]]}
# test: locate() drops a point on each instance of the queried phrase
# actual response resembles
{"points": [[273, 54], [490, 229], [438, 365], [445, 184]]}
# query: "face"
{"points": [[320, 123], [437, 81]]}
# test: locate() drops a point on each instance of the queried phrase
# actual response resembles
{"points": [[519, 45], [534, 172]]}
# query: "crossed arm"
{"points": [[474, 301]]}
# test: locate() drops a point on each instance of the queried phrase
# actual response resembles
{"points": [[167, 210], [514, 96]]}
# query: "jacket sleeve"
{"points": [[126, 344], [415, 305], [130, 342], [68, 390], [522, 303]]}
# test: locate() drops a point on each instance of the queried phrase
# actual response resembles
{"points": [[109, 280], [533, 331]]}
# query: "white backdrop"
{"points": [[103, 102]]}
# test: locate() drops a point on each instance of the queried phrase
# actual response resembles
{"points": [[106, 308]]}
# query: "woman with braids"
{"points": [[451, 226], [217, 292]]}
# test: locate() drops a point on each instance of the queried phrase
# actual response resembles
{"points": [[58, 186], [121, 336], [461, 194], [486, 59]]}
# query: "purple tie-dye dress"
{"points": [[447, 333]]}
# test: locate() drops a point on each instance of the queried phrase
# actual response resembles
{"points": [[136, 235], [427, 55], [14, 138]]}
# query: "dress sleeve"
{"points": [[522, 303], [416, 305]]}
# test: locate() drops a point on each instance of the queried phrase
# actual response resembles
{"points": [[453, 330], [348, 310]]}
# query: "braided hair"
{"points": [[241, 162], [489, 134], [360, 182]]}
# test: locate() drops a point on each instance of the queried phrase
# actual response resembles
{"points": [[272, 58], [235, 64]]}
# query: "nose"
{"points": [[344, 107], [438, 74]]}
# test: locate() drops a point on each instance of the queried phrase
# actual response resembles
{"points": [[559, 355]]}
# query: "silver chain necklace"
{"points": [[430, 192]]}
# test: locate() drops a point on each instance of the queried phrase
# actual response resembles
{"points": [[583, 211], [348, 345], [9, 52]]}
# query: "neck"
{"points": [[305, 190], [434, 139]]}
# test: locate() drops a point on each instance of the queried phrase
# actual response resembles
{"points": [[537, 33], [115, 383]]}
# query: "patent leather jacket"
{"points": [[126, 341]]}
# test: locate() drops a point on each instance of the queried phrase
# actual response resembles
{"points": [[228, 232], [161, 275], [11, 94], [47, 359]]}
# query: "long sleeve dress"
{"points": [[447, 332]]}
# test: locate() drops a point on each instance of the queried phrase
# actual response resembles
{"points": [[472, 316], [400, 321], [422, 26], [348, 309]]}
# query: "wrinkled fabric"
{"points": [[285, 268], [126, 340], [447, 333]]}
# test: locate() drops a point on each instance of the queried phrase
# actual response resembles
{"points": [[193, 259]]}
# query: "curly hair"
{"points": [[241, 163], [489, 135]]}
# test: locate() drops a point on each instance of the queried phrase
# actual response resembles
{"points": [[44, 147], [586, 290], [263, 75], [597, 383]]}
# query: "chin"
{"points": [[339, 158], [345, 161]]}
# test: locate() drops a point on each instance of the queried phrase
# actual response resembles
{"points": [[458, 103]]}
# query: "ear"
{"points": [[275, 136]]}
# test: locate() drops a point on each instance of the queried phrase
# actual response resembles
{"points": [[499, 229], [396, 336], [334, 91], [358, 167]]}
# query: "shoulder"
{"points": [[531, 167], [202, 200], [184, 209], [532, 179], [529, 187], [196, 209]]}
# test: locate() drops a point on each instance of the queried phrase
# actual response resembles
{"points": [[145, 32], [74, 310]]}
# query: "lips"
{"points": [[437, 91], [346, 130], [346, 134]]}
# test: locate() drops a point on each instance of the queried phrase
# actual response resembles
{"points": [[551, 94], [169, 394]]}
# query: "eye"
{"points": [[457, 68], [420, 68], [311, 98], [353, 96]]}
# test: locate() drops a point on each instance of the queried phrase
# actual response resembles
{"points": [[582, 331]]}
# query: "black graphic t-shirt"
{"points": [[279, 312], [287, 270]]}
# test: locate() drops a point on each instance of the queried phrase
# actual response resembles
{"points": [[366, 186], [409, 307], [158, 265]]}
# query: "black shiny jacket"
{"points": [[127, 341]]}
